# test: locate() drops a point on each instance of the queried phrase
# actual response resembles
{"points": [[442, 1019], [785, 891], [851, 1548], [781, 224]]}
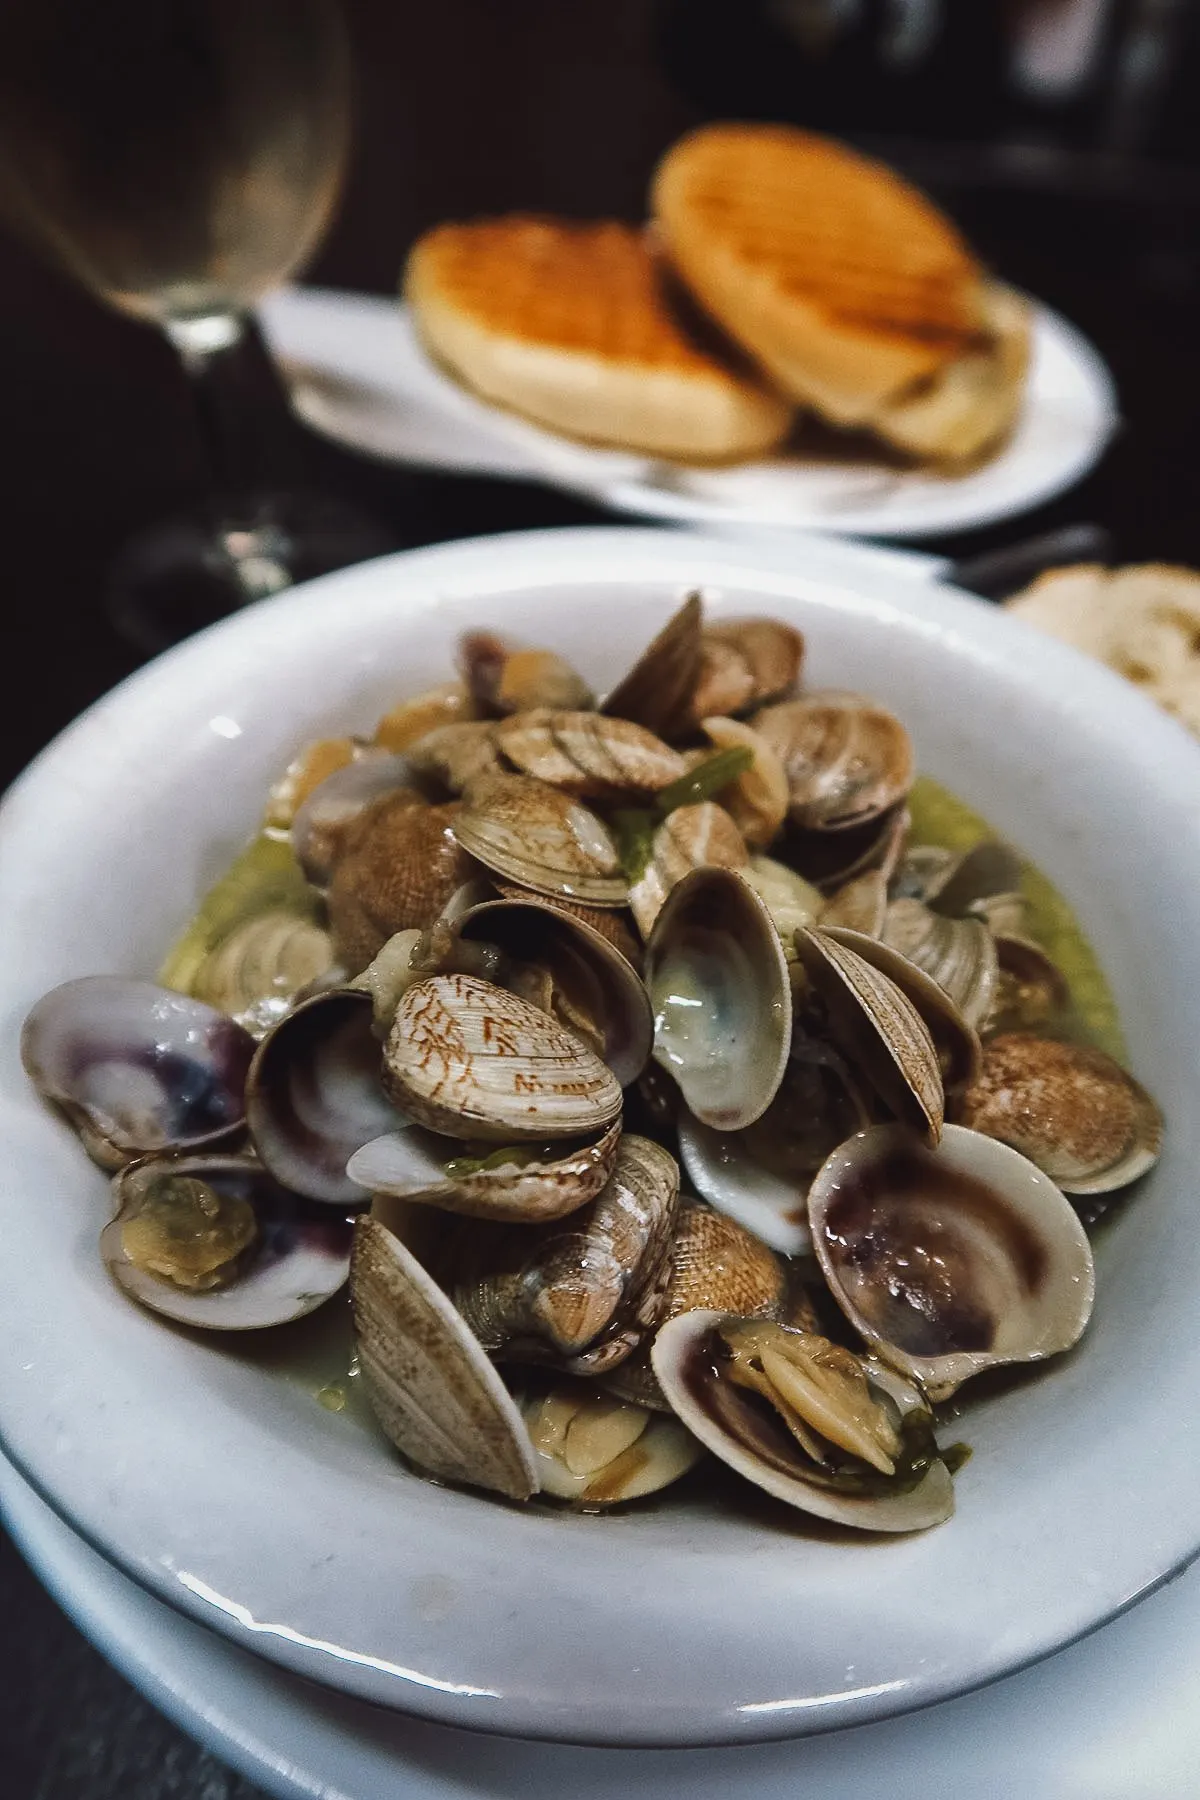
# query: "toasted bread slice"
{"points": [[848, 286], [573, 327]]}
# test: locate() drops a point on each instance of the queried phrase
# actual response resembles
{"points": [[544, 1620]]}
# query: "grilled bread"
{"points": [[849, 288], [573, 326]]}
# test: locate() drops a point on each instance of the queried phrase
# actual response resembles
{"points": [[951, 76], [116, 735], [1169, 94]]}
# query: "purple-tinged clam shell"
{"points": [[298, 1257], [137, 1068]]}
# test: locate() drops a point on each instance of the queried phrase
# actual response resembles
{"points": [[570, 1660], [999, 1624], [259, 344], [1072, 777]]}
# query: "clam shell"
{"points": [[745, 662], [599, 1451], [447, 704], [987, 870], [657, 691], [747, 1438], [323, 822], [847, 759], [878, 1028], [410, 1164], [455, 755], [541, 839], [790, 900], [1031, 992], [469, 1059], [959, 954], [1070, 1109], [314, 1095], [829, 859], [432, 1389], [757, 801], [299, 1260], [588, 754], [721, 995], [953, 1260], [256, 972], [858, 905], [315, 763], [691, 837], [582, 1292], [959, 1051], [137, 1068], [612, 926], [596, 980], [511, 678], [399, 867]]}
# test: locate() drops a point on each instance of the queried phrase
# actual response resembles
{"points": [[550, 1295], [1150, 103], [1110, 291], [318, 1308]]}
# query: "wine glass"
{"points": [[181, 158]]}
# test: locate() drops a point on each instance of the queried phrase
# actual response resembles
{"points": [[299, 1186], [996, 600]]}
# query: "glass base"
{"points": [[176, 578]]}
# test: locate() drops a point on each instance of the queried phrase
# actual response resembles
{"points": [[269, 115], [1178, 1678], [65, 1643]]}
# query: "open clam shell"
{"points": [[591, 980], [251, 1256], [315, 1094], [540, 838], [745, 662], [467, 1058], [599, 1451], [411, 1164], [829, 859], [581, 1293], [722, 999], [430, 1385], [657, 691], [588, 754], [876, 1026], [953, 1260], [805, 1444], [516, 678], [137, 1068], [702, 836], [1031, 993], [860, 904], [1070, 1109], [959, 1051], [847, 760], [447, 704]]}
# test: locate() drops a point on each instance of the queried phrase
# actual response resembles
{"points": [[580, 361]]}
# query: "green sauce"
{"points": [[265, 876]]}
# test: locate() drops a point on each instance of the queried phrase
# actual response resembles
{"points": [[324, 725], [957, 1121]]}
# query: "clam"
{"points": [[988, 870], [1069, 1108], [791, 901], [399, 866], [520, 1183], [820, 1428], [721, 994], [212, 1241], [137, 1068], [744, 662], [757, 801], [322, 823], [452, 756], [447, 704], [761, 1176], [858, 905], [541, 839], [1031, 990], [877, 1028], [959, 954], [953, 1260], [691, 837], [1003, 914], [467, 1058], [511, 678], [599, 1451], [589, 754], [959, 1052], [829, 859], [314, 1095], [583, 1292], [431, 1387], [315, 763], [593, 990], [714, 1263], [255, 973], [657, 691], [612, 926], [847, 760]]}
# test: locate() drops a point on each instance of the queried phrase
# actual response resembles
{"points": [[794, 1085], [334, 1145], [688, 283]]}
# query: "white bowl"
{"points": [[228, 1491]]}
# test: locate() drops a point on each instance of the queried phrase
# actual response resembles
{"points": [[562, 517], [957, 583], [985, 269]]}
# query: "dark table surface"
{"points": [[99, 439]]}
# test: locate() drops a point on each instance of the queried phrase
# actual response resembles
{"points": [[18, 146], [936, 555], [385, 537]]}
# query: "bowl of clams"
{"points": [[600, 1136]]}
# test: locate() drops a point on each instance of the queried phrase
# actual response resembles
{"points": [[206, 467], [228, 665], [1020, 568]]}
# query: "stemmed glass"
{"points": [[181, 158]]}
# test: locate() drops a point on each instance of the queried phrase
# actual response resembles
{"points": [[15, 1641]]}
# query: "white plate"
{"points": [[1113, 1718], [358, 374], [237, 1498]]}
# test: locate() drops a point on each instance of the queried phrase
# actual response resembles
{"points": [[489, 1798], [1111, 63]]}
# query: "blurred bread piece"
{"points": [[573, 326], [849, 287], [1143, 620]]}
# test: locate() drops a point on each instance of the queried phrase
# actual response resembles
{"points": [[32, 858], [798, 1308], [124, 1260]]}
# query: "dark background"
{"points": [[470, 106]]}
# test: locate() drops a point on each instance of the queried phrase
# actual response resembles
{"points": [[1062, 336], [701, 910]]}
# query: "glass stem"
{"points": [[242, 410]]}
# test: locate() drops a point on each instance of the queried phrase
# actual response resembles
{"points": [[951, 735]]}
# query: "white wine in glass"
{"points": [[182, 158]]}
